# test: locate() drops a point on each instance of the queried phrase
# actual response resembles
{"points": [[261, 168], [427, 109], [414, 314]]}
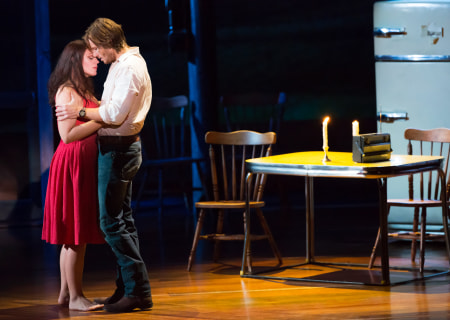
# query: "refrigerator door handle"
{"points": [[390, 117], [386, 32]]}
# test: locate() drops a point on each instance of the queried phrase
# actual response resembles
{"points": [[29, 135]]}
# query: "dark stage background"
{"points": [[319, 52]]}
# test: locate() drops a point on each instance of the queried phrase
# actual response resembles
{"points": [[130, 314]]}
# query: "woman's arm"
{"points": [[71, 108], [68, 131], [77, 132]]}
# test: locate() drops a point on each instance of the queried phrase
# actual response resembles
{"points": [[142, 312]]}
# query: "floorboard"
{"points": [[30, 276]]}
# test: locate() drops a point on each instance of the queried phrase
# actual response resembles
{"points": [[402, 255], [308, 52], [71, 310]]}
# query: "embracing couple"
{"points": [[106, 133]]}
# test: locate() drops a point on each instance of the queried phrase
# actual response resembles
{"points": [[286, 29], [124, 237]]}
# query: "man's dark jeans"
{"points": [[117, 165]]}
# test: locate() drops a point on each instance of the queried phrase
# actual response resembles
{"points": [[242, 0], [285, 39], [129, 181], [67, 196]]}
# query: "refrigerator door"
{"points": [[411, 30], [423, 91], [412, 70]]}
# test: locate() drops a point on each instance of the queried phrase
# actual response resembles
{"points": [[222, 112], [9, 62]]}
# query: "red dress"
{"points": [[71, 203]]}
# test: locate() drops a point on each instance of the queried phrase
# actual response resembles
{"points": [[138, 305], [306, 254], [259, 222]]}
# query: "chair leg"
{"points": [[219, 230], [375, 246], [187, 202], [415, 230], [198, 230], [248, 252], [266, 229], [160, 192], [423, 231], [141, 190], [446, 231], [202, 180], [374, 250]]}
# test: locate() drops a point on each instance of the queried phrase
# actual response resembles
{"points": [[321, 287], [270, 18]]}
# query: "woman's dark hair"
{"points": [[69, 72]]}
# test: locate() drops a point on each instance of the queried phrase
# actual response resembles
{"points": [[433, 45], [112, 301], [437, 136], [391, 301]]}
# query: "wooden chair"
{"points": [[166, 150], [429, 142], [257, 111], [228, 152]]}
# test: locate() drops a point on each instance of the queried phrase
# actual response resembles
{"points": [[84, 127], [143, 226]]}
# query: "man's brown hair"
{"points": [[106, 33]]}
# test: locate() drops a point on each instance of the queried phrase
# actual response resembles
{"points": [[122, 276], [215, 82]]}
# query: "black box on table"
{"points": [[371, 147]]}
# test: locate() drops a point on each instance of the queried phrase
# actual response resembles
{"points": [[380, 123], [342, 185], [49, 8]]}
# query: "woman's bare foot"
{"points": [[83, 304], [63, 300]]}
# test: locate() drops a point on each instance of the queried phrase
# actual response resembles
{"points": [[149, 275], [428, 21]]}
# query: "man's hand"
{"points": [[69, 110]]}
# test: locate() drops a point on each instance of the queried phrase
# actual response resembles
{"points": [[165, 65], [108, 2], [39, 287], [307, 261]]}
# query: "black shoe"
{"points": [[128, 304], [117, 295]]}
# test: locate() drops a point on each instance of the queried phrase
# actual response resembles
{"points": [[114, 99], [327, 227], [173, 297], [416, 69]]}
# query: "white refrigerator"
{"points": [[412, 70]]}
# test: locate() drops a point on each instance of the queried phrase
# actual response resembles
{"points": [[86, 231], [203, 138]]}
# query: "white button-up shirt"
{"points": [[127, 95]]}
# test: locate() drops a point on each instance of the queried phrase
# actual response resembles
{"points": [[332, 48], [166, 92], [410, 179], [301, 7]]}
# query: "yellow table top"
{"points": [[341, 165]]}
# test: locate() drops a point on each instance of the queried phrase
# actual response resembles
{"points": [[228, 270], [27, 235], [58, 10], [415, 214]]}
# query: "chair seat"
{"points": [[414, 202], [415, 235], [170, 161], [230, 204], [232, 237]]}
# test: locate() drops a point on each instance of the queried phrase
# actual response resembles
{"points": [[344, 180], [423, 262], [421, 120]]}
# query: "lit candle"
{"points": [[355, 127], [325, 132]]}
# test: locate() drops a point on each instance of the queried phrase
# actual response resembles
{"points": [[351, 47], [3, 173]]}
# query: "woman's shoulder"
{"points": [[65, 94]]}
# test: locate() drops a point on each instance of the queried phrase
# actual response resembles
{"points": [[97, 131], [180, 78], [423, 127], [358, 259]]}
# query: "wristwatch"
{"points": [[82, 112]]}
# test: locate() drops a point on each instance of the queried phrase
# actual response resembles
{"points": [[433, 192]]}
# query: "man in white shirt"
{"points": [[124, 105]]}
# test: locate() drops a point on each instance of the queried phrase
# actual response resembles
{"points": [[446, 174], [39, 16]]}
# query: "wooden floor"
{"points": [[30, 279]]}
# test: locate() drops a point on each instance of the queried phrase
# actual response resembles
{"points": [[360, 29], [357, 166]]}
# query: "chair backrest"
{"points": [[228, 152], [429, 142], [166, 133], [257, 111]]}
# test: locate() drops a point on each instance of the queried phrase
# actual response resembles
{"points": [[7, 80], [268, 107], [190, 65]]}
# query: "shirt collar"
{"points": [[131, 51]]}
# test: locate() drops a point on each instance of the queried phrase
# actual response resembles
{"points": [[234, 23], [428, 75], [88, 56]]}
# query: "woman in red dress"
{"points": [[71, 203]]}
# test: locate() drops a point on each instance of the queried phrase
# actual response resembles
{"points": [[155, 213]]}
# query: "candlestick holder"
{"points": [[325, 156]]}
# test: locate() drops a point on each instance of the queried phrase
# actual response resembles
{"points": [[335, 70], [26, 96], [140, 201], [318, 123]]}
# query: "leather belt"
{"points": [[118, 140]]}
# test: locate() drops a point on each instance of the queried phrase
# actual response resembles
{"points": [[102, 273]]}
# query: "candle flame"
{"points": [[325, 120]]}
